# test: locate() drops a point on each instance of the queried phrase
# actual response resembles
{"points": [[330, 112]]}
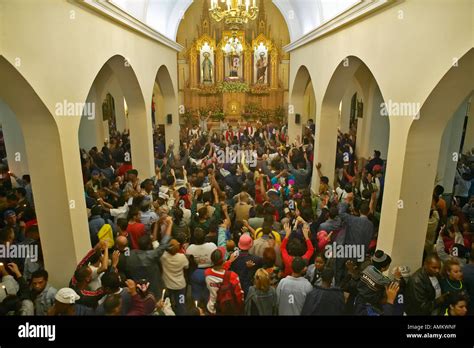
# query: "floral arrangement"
{"points": [[208, 89], [279, 114], [218, 116], [260, 89], [233, 87]]}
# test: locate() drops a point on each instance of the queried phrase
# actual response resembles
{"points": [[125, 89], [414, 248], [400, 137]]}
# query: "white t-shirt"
{"points": [[96, 282], [436, 286], [202, 253], [186, 216], [120, 212], [173, 270]]}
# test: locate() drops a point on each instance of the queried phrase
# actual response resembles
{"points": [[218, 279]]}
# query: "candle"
{"points": [[163, 295], [196, 303], [5, 289], [228, 5], [254, 3]]}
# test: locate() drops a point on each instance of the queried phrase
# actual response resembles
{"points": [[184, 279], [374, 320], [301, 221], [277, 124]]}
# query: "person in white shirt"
{"points": [[174, 264], [292, 290], [201, 253], [463, 185]]}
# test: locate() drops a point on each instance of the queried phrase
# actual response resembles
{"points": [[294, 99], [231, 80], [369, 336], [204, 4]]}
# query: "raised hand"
{"points": [[392, 291], [287, 229]]}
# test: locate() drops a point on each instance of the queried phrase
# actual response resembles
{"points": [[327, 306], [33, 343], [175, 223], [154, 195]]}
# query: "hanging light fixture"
{"points": [[234, 12]]}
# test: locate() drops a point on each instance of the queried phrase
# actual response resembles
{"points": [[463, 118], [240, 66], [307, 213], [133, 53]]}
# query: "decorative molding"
{"points": [[114, 12], [352, 14]]}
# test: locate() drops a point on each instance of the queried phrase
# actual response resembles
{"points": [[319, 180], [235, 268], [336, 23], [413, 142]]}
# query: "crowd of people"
{"points": [[229, 225]]}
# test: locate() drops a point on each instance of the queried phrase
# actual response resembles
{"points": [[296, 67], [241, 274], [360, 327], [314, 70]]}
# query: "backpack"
{"points": [[226, 301]]}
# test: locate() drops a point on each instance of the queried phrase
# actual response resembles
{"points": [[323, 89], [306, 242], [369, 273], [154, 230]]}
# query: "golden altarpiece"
{"points": [[233, 72]]}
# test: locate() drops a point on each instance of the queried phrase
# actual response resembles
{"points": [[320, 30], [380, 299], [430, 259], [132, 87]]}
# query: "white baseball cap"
{"points": [[67, 296]]}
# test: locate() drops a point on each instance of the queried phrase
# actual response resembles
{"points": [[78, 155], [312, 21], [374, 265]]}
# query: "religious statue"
{"points": [[262, 65], [207, 67], [234, 72]]}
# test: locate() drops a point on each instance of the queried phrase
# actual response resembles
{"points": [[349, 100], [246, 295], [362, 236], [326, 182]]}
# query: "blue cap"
{"points": [[8, 213]]}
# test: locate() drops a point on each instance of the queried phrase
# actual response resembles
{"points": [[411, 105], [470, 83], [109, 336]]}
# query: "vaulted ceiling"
{"points": [[302, 16]]}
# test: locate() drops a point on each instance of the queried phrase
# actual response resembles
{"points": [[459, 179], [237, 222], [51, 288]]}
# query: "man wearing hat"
{"points": [[10, 219], [65, 304], [371, 287], [246, 264], [94, 184]]}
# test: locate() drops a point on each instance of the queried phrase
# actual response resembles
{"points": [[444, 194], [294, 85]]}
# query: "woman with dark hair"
{"points": [[456, 305], [179, 225], [291, 250], [201, 216]]}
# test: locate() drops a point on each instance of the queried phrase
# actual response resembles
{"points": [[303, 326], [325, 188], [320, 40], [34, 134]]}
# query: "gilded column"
{"points": [[194, 75], [219, 65], [274, 64], [248, 67]]}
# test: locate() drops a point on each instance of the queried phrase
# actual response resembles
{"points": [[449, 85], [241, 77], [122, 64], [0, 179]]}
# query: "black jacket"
{"points": [[420, 294], [323, 301]]}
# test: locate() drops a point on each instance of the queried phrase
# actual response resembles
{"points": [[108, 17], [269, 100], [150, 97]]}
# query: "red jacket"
{"points": [[288, 259], [214, 281]]}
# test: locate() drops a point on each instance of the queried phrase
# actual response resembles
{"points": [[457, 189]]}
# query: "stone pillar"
{"points": [[141, 141], [56, 177], [325, 143]]}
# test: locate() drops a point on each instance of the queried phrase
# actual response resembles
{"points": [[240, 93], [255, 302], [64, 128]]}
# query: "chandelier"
{"points": [[234, 12]]}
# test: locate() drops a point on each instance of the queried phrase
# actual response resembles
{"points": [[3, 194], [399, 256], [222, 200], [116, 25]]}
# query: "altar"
{"points": [[233, 75]]}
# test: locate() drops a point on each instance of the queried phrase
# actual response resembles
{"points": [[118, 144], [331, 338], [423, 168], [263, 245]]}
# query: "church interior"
{"points": [[120, 89]]}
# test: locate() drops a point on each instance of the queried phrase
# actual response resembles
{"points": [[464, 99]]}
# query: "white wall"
{"points": [[14, 141], [376, 126], [449, 151]]}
